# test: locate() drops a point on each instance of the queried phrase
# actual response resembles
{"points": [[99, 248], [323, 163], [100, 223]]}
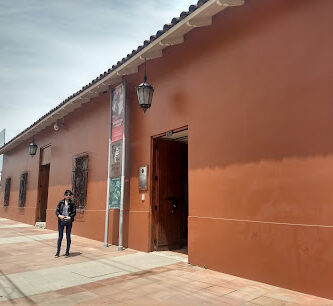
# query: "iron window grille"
{"points": [[23, 189], [80, 180], [7, 191]]}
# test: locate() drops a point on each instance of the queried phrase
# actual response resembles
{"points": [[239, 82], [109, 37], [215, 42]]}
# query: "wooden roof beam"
{"points": [[200, 21], [172, 40]]}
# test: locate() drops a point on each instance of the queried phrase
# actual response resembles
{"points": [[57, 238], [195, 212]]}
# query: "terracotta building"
{"points": [[238, 145]]}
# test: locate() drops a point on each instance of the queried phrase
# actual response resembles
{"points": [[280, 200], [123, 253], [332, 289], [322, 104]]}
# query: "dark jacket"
{"points": [[71, 209]]}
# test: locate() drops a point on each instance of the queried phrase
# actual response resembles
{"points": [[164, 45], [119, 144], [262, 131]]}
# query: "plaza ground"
{"points": [[95, 275]]}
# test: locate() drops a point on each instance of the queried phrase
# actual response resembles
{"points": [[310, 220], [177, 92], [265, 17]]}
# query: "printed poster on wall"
{"points": [[117, 108], [115, 190]]}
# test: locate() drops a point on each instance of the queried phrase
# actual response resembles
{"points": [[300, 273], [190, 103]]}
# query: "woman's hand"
{"points": [[61, 217]]}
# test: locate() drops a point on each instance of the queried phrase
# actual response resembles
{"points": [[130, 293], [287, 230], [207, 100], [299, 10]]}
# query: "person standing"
{"points": [[66, 211]]}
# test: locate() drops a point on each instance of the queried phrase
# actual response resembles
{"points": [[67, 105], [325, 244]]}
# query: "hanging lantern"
{"points": [[32, 148], [145, 93]]}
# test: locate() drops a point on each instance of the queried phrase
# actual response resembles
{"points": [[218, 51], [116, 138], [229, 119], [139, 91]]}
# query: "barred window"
{"points": [[23, 189], [7, 191], [80, 180]]}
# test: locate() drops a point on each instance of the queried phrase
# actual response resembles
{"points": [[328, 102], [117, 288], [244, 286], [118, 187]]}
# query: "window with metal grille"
{"points": [[23, 189], [80, 180], [7, 191]]}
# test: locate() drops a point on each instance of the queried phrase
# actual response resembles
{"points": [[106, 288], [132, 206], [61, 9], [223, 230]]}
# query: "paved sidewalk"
{"points": [[94, 275]]}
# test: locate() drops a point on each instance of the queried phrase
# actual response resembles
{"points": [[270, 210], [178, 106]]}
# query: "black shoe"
{"points": [[56, 254], [67, 254]]}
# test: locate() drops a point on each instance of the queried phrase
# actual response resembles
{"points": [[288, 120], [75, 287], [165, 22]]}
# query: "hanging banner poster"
{"points": [[116, 150], [115, 190], [116, 154], [117, 108], [2, 142]]}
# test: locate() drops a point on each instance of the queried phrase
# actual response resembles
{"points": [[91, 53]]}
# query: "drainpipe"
{"points": [[106, 233], [121, 211]]}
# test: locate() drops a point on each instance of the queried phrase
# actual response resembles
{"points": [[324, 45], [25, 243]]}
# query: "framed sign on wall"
{"points": [[143, 178]]}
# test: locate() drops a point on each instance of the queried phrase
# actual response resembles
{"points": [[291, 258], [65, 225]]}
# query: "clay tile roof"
{"points": [[166, 28]]}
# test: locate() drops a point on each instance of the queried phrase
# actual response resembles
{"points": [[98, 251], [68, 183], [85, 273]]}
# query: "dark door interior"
{"points": [[171, 207], [44, 173]]}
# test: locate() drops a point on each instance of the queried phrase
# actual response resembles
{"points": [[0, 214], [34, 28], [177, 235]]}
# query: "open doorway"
{"points": [[170, 192]]}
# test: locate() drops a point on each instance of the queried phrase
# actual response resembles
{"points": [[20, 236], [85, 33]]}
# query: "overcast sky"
{"points": [[50, 49]]}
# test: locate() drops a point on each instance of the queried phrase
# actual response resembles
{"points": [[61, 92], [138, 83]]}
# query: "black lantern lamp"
{"points": [[145, 93], [32, 148]]}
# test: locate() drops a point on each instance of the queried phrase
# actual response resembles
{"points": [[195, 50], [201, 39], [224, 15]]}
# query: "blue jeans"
{"points": [[61, 234]]}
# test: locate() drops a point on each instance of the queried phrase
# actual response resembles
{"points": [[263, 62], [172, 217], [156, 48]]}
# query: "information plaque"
{"points": [[143, 174]]}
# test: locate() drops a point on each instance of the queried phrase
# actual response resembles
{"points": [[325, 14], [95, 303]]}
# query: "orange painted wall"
{"points": [[255, 90], [85, 130], [13, 166]]}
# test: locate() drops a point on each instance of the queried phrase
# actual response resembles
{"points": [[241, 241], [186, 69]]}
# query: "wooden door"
{"points": [[44, 173], [172, 205]]}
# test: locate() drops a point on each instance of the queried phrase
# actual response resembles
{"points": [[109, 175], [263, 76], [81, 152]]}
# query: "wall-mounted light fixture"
{"points": [[32, 148], [56, 127], [58, 124], [145, 93]]}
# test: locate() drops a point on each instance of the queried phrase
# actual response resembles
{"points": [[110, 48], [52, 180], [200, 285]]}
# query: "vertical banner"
{"points": [[2, 142], [116, 161], [116, 157], [117, 135], [118, 113], [115, 193]]}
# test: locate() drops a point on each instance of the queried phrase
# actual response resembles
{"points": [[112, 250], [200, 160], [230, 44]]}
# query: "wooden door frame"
{"points": [[40, 165], [40, 192], [154, 213]]}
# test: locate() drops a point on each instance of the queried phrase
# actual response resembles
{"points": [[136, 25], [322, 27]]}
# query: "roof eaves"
{"points": [[140, 48]]}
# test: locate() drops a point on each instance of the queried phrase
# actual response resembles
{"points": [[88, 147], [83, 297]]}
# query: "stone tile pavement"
{"points": [[94, 275]]}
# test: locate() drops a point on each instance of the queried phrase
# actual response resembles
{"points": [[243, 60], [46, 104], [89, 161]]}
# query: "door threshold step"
{"points": [[40, 224], [173, 255]]}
